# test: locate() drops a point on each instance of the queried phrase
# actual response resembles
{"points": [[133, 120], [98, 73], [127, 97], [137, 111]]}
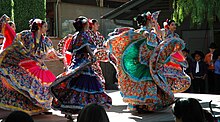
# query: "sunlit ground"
{"points": [[119, 112]]}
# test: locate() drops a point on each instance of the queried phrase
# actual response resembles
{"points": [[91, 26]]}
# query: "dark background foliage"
{"points": [[21, 11]]}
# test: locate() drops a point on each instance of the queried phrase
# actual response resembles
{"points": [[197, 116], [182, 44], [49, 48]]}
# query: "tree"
{"points": [[199, 11], [6, 7], [21, 11], [24, 10]]}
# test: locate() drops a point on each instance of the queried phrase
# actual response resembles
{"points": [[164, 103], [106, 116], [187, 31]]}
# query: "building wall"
{"points": [[70, 11], [196, 38]]}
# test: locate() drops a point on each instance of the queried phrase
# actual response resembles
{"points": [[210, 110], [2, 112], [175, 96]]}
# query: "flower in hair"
{"points": [[165, 25], [148, 15], [38, 21], [31, 21], [90, 21], [84, 20]]}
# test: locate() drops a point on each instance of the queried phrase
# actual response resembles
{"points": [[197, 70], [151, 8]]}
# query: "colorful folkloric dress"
{"points": [[175, 64], [141, 60], [24, 78], [8, 33], [97, 38], [80, 85], [102, 53], [62, 48]]}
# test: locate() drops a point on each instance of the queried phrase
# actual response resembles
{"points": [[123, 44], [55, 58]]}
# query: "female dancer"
{"points": [[95, 34], [169, 29], [80, 85], [25, 79], [62, 48], [102, 52], [7, 30], [142, 71]]}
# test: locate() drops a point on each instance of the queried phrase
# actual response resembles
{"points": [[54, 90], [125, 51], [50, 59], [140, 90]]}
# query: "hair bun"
{"points": [[79, 22], [35, 24], [34, 27], [141, 20]]}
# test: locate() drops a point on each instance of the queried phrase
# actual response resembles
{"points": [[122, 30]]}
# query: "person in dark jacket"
{"points": [[198, 72]]}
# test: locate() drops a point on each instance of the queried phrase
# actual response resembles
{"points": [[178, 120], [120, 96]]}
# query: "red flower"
{"points": [[149, 17]]}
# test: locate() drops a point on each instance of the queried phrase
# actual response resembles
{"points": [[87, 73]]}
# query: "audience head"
{"points": [[93, 113], [12, 25], [38, 25], [81, 23], [212, 47], [188, 110], [198, 55], [208, 116], [19, 116]]}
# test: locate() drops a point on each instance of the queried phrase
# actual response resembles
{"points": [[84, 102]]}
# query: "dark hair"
{"points": [[11, 23], [19, 116], [170, 21], [142, 18], [93, 113], [35, 24], [186, 50], [212, 45], [208, 116], [92, 22], [79, 23], [216, 53], [188, 110], [200, 53]]}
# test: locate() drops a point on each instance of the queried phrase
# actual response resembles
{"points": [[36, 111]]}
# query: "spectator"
{"points": [[217, 73], [210, 62], [198, 71], [19, 116], [188, 110], [208, 116], [93, 113]]}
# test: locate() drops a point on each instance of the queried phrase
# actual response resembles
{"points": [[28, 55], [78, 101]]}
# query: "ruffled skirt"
{"points": [[24, 82], [78, 88]]}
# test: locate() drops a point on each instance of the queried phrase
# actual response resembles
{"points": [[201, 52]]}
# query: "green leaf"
{"points": [[199, 11]]}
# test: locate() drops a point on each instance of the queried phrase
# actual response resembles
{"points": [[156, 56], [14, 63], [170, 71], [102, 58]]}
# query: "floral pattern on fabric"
{"points": [[102, 54], [11, 99], [168, 65], [97, 37], [147, 88], [26, 74], [60, 45], [80, 85]]}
